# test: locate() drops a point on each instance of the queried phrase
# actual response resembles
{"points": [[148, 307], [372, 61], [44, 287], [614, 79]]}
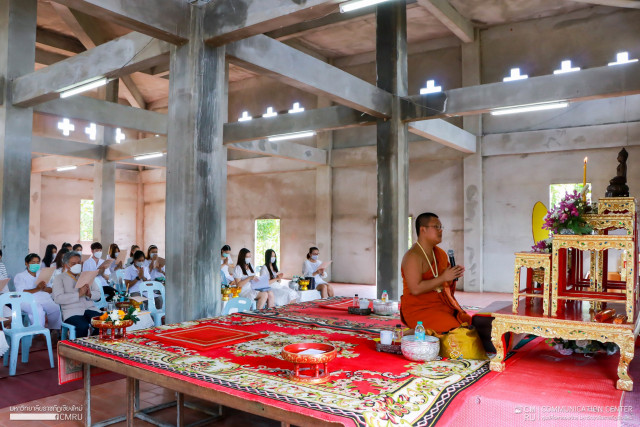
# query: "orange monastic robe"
{"points": [[437, 310]]}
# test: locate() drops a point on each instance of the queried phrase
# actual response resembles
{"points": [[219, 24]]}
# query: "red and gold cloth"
{"points": [[205, 337], [366, 387]]}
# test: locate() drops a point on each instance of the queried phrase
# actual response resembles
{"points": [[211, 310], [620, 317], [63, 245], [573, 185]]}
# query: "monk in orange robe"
{"points": [[428, 281]]}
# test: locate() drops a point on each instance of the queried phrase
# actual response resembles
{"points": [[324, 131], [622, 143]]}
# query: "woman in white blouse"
{"points": [[310, 268], [226, 263], [282, 293], [152, 264], [244, 275], [136, 273]]}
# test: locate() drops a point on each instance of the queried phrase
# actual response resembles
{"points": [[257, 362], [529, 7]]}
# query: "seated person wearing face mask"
{"points": [[114, 251], [282, 293], [49, 256], [27, 282], [310, 268], [77, 304], [134, 249], [95, 263], [151, 262], [136, 273], [244, 275], [226, 263], [77, 248]]}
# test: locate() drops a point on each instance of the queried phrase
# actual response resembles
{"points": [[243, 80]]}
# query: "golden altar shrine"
{"points": [[566, 306]]}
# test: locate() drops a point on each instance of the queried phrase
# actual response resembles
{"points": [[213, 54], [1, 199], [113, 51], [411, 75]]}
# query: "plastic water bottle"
{"points": [[385, 296], [419, 332], [356, 301]]}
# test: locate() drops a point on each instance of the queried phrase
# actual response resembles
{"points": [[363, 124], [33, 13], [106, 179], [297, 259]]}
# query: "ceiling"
{"points": [[330, 40]]}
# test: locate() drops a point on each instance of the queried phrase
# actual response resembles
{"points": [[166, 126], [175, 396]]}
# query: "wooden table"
{"points": [[530, 261], [573, 322], [135, 374]]}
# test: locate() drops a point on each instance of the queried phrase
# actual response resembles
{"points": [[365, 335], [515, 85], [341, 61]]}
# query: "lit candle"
{"points": [[584, 179]]}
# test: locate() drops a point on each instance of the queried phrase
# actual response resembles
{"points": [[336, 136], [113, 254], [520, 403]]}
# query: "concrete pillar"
{"points": [[139, 212], [472, 177], [392, 148], [35, 198], [196, 176], [324, 194], [104, 181], [17, 57]]}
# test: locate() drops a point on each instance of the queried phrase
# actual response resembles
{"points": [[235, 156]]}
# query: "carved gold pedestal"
{"points": [[623, 335], [532, 260]]}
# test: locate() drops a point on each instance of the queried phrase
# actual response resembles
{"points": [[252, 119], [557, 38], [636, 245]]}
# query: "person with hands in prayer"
{"points": [[428, 281]]}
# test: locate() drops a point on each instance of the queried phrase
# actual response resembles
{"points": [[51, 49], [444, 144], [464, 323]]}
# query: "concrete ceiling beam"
{"points": [[270, 57], [231, 20], [87, 29], [336, 117], [138, 147], [166, 22], [116, 58], [51, 163], [446, 134], [105, 113], [284, 150], [59, 41], [633, 4], [450, 18], [45, 57], [66, 148], [593, 83]]}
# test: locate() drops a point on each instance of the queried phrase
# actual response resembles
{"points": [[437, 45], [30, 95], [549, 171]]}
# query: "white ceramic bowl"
{"points": [[420, 351], [385, 308]]}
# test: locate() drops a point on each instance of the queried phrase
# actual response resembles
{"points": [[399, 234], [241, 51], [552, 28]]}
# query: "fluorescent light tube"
{"points": [[294, 135], [358, 4], [148, 156], [528, 108], [83, 87], [66, 168]]}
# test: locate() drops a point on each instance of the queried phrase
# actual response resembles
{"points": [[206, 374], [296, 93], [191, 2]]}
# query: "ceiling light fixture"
{"points": [[622, 58], [148, 156], [66, 168], [83, 87], [294, 135], [528, 108], [358, 4]]}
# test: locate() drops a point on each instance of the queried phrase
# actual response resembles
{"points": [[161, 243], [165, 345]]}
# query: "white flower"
{"points": [[563, 351], [114, 315], [583, 343]]}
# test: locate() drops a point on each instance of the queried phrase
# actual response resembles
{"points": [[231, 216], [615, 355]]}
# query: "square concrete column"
{"points": [[17, 57], [104, 181], [196, 177], [324, 194], [392, 148], [35, 207], [472, 177]]}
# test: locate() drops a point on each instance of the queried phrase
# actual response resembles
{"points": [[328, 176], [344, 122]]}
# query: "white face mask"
{"points": [[98, 254], [153, 255], [53, 255], [115, 254], [139, 264], [273, 259], [248, 260], [76, 269], [314, 257]]}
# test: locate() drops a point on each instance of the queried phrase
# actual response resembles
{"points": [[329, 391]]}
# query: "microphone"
{"points": [[452, 261]]}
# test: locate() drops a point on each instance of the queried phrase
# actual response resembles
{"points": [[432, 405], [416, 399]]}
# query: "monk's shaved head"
{"points": [[423, 220]]}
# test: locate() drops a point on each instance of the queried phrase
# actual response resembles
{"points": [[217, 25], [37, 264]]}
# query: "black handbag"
{"points": [[312, 283]]}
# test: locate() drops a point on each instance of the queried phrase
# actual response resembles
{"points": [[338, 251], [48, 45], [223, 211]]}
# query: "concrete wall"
{"points": [[60, 211]]}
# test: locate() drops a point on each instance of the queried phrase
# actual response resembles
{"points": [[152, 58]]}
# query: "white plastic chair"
{"points": [[149, 287], [237, 305], [102, 302], [19, 331]]}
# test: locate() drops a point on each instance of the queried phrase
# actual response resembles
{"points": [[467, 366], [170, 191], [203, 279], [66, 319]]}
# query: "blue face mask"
{"points": [[34, 268]]}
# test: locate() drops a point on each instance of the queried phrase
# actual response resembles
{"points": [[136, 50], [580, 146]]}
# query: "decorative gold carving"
{"points": [[601, 222], [533, 260], [617, 205], [622, 335]]}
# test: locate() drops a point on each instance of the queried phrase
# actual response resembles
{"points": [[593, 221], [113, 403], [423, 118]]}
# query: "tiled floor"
{"points": [[108, 400]]}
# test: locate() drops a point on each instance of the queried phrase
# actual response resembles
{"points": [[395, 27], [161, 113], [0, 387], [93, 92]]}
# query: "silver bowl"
{"points": [[388, 308]]}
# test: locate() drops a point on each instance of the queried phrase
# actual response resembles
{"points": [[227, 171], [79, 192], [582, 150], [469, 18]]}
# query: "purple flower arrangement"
{"points": [[543, 246], [568, 214]]}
